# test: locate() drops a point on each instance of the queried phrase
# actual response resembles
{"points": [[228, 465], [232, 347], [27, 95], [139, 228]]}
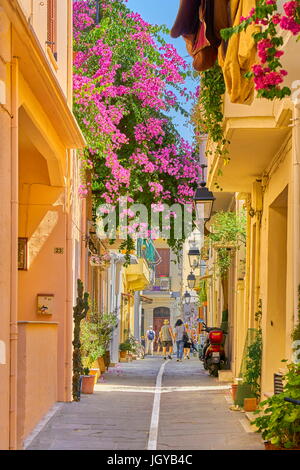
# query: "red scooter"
{"points": [[213, 354]]}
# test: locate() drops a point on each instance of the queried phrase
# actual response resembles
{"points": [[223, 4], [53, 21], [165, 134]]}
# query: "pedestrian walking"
{"points": [[166, 336], [150, 337], [179, 335], [187, 342], [159, 345], [194, 340]]}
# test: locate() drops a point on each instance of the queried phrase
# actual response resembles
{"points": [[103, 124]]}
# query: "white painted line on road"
{"points": [[153, 433], [138, 389]]}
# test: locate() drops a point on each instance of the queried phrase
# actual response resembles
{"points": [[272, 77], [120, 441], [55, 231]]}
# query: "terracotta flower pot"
{"points": [[250, 404], [233, 391], [87, 385], [123, 354], [269, 446]]}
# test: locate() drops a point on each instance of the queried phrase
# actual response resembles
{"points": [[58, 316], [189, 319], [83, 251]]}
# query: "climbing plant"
{"points": [[207, 116], [268, 74], [80, 311], [129, 83], [253, 358], [228, 233]]}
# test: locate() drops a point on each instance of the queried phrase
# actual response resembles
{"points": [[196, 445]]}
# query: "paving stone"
{"points": [[114, 419]]}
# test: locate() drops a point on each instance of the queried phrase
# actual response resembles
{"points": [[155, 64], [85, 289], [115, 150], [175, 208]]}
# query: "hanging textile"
{"points": [[239, 56], [200, 22], [187, 20]]}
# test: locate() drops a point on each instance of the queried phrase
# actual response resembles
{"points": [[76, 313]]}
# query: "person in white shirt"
{"points": [[150, 337]]}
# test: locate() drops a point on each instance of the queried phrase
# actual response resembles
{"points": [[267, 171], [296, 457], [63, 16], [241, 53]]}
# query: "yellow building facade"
{"points": [[40, 232], [264, 173]]}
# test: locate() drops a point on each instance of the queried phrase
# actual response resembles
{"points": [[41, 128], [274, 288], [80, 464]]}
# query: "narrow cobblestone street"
{"points": [[194, 412]]}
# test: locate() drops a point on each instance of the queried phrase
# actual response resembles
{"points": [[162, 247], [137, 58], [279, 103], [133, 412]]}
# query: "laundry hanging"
{"points": [[200, 22], [239, 56], [187, 20]]}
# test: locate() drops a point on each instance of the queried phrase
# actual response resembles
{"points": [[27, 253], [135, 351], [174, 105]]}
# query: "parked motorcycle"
{"points": [[213, 354]]}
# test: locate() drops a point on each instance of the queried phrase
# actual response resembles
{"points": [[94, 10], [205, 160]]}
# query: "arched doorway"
{"points": [[159, 315]]}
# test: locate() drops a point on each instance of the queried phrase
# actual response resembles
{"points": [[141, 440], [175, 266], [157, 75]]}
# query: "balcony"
{"points": [[138, 275], [257, 133]]}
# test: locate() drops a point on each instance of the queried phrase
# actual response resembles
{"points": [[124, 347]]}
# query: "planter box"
{"points": [[243, 391], [250, 404], [87, 384], [233, 391], [269, 446]]}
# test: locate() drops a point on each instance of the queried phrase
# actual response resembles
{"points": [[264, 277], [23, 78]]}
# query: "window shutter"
{"points": [[163, 268], [52, 26]]}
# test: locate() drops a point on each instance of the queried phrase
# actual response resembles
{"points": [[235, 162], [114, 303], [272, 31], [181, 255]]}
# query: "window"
{"points": [[163, 268], [52, 26]]}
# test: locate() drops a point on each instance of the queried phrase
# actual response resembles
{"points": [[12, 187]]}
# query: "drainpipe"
{"points": [[14, 256], [69, 281], [84, 243], [257, 268], [296, 206], [248, 271]]}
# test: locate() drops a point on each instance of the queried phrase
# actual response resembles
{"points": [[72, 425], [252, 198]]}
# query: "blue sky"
{"points": [[161, 12], [164, 12]]}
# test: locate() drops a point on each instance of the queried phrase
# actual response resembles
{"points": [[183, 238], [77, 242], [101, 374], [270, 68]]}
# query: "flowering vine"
{"points": [[269, 75], [127, 82], [207, 116]]}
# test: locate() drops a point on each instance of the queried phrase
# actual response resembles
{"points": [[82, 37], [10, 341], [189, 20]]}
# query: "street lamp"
{"points": [[194, 257], [191, 280], [187, 297], [203, 199]]}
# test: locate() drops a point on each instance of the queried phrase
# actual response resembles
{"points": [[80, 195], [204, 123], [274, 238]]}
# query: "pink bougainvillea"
{"points": [[104, 90], [268, 74], [127, 83]]}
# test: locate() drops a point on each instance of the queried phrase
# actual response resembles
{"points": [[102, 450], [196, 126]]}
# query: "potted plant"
{"points": [[106, 323], [124, 348], [91, 347], [80, 311], [280, 422], [248, 391], [88, 382]]}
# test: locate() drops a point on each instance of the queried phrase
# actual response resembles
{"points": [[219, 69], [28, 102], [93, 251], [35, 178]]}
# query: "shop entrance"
{"points": [[159, 315]]}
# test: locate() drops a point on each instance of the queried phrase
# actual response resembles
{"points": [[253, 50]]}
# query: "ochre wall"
{"points": [[37, 374], [276, 258]]}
